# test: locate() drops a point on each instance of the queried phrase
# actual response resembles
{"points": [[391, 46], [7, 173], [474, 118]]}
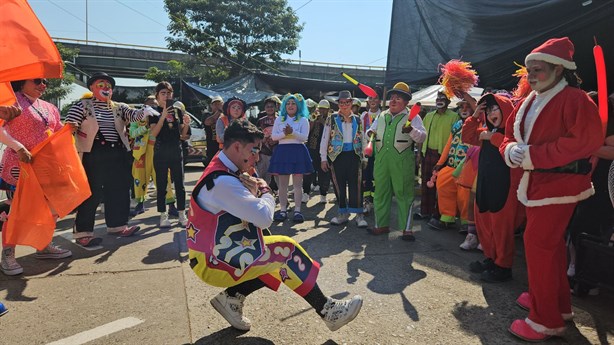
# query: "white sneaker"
{"points": [[322, 199], [164, 222], [305, 198], [471, 242], [9, 265], [231, 308], [52, 252], [360, 221], [183, 219], [340, 219], [337, 313]]}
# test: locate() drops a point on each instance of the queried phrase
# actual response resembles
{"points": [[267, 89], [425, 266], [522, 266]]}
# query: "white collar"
{"points": [[227, 162]]}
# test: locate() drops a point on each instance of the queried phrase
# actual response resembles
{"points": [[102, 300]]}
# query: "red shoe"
{"points": [[128, 231], [379, 231], [88, 241], [522, 330], [524, 301]]}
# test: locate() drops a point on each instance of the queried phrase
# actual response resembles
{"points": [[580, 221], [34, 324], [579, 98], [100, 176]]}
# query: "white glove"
{"points": [[517, 154], [149, 111]]}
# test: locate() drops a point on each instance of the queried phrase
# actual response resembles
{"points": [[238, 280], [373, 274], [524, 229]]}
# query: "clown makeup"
{"points": [[374, 103], [235, 110], [397, 103], [102, 90], [465, 110], [291, 107], [541, 75], [494, 116]]}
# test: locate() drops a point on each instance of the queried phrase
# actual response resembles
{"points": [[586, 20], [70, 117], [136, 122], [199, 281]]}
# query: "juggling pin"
{"points": [[364, 88], [415, 110], [369, 148]]}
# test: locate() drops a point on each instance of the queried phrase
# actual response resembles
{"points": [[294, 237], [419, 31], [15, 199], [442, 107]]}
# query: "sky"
{"points": [[335, 31]]}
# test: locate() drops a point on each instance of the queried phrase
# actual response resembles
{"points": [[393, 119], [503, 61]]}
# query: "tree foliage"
{"points": [[239, 34], [180, 69], [59, 88]]}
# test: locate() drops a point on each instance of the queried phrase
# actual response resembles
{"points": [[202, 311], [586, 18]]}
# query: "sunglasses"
{"points": [[39, 81]]}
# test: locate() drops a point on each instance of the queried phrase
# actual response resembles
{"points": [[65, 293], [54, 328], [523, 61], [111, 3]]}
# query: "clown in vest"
{"points": [[341, 151], [230, 247], [550, 135], [395, 161]]}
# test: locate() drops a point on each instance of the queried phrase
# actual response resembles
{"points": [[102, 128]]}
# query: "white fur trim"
{"points": [[553, 59], [569, 199], [527, 163], [78, 235], [543, 329], [506, 155]]}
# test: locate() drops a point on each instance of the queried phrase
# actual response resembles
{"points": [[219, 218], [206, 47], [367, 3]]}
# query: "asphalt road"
{"points": [[141, 290]]}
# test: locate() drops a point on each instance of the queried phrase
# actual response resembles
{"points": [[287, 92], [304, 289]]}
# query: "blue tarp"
{"points": [[243, 87]]}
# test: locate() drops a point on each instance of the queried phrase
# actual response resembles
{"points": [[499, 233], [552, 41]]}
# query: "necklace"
{"points": [[40, 113]]}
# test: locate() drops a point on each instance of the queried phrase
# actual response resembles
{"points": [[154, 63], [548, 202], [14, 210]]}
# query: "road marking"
{"points": [[99, 332]]}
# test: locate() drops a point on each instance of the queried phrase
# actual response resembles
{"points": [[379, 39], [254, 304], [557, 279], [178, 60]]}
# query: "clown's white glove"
{"points": [[517, 154], [149, 111]]}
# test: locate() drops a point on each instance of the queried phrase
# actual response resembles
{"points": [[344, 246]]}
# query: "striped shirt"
{"points": [[104, 116]]}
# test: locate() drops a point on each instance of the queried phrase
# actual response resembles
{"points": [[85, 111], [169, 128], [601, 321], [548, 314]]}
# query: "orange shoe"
{"points": [[522, 330]]}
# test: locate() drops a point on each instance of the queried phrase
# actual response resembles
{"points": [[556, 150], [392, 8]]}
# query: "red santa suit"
{"points": [[559, 126]]}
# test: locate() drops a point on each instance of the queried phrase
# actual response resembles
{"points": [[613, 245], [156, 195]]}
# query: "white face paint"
{"points": [[440, 104]]}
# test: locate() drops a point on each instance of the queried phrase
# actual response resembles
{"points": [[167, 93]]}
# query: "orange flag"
{"points": [[26, 49], [54, 183]]}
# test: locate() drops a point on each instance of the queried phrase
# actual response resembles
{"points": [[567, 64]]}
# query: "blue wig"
{"points": [[301, 106]]}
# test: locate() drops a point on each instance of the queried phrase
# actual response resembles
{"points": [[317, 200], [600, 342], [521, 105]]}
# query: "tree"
{"points": [[59, 88], [240, 34], [189, 69]]}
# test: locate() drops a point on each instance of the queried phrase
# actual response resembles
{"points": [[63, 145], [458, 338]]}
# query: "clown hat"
{"points": [[558, 51]]}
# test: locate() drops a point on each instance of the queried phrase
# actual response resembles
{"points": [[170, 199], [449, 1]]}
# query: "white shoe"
{"points": [[471, 242], [52, 252], [305, 198], [322, 199], [8, 264], [360, 221], [340, 219], [164, 222], [337, 313], [231, 308], [183, 219]]}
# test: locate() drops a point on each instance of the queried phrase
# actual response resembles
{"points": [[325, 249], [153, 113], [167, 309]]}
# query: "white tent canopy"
{"points": [[427, 96]]}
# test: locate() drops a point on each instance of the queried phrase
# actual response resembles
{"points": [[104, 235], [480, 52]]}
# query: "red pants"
{"points": [[496, 230], [544, 242], [451, 197]]}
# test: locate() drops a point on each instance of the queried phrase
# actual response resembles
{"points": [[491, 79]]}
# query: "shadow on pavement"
{"points": [[231, 336]]}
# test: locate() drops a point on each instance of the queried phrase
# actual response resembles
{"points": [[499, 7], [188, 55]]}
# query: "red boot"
{"points": [[522, 330]]}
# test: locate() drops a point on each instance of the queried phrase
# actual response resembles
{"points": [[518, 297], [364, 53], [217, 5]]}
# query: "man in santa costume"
{"points": [[550, 135]]}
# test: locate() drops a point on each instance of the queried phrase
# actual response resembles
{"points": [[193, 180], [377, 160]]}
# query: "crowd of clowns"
{"points": [[498, 165]]}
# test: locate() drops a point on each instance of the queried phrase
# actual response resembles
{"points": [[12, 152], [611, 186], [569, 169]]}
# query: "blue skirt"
{"points": [[290, 159]]}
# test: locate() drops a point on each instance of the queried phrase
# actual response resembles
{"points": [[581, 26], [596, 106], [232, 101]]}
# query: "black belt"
{"points": [[581, 167], [109, 144]]}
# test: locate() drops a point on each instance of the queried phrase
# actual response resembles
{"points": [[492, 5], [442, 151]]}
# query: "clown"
{"points": [[550, 135], [450, 196], [395, 161], [102, 140]]}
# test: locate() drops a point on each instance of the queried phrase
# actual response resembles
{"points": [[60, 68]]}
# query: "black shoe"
{"points": [[138, 209], [418, 216], [172, 210], [497, 275], [481, 266], [439, 225]]}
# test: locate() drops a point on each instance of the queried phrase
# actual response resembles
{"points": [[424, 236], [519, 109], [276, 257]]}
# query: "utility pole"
{"points": [[86, 23]]}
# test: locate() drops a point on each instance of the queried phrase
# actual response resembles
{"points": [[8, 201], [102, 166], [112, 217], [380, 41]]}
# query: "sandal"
{"points": [[88, 241], [280, 216], [298, 217], [128, 231]]}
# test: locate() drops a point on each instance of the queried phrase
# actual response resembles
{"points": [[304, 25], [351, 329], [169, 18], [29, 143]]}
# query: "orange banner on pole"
{"points": [[54, 183], [26, 49]]}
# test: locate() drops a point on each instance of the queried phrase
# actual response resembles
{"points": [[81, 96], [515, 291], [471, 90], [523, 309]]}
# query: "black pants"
{"points": [[212, 149], [346, 172], [165, 158], [367, 178], [109, 175], [318, 177]]}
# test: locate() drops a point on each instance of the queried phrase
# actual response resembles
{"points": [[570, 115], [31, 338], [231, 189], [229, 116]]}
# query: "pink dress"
{"points": [[37, 120]]}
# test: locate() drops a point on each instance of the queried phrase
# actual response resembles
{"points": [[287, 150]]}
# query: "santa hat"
{"points": [[558, 51]]}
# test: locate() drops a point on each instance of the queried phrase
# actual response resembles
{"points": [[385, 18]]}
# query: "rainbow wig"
{"points": [[301, 106]]}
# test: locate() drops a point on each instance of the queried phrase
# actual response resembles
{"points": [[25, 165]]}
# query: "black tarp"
{"points": [[255, 87], [492, 35]]}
